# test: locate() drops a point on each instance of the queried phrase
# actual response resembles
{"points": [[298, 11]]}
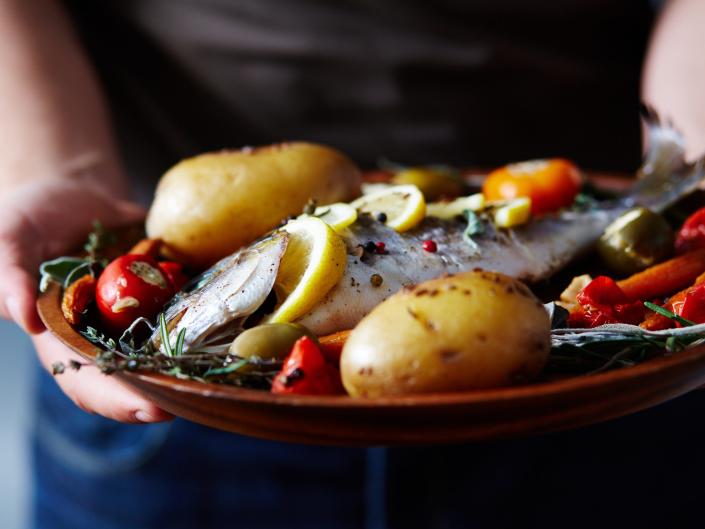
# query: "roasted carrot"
{"points": [[148, 247], [656, 322], [332, 345], [76, 298], [664, 278]]}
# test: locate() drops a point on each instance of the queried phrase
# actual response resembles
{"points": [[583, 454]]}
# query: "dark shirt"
{"points": [[454, 81]]}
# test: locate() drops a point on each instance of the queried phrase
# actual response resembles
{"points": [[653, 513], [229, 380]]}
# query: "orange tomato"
{"points": [[550, 184]]}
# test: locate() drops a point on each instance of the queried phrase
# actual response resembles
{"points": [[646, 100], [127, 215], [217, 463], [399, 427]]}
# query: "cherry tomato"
{"points": [[550, 184], [130, 287], [692, 234], [174, 273], [306, 372]]}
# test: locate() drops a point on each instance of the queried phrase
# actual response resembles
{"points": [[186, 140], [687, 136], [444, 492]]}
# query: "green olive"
{"points": [[270, 341], [636, 240], [433, 183]]}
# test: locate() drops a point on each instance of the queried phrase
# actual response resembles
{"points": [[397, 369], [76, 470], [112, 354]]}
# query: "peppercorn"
{"points": [[376, 280], [370, 246], [381, 248], [429, 246], [381, 216]]}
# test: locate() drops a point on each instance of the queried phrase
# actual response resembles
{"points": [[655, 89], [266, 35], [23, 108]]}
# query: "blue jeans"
{"points": [[645, 470]]}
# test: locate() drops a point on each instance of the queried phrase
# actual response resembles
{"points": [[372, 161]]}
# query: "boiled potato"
{"points": [[472, 330], [208, 206]]}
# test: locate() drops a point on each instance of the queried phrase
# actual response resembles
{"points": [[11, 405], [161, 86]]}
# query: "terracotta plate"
{"points": [[443, 418], [446, 418]]}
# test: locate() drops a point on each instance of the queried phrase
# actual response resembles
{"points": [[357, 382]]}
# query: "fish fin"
{"points": [[664, 176]]}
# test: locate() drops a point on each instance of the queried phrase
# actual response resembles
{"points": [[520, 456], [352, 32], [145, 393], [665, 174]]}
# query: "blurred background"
{"points": [[16, 379]]}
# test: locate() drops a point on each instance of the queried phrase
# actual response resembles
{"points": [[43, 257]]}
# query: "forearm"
{"points": [[54, 122], [674, 71]]}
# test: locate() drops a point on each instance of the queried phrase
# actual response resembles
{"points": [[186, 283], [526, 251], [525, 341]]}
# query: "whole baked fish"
{"points": [[217, 305]]}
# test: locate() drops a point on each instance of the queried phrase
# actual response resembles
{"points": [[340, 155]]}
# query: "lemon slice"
{"points": [[514, 213], [404, 206], [338, 216], [449, 210], [313, 263]]}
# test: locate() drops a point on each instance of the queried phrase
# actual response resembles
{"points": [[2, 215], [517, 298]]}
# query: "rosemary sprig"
{"points": [[668, 314]]}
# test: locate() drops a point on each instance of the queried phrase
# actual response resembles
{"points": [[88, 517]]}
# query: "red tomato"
{"points": [[306, 372], [550, 184], [130, 287], [692, 234], [174, 273]]}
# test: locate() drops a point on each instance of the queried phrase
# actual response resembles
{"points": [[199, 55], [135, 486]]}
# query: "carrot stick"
{"points": [[657, 322], [664, 278], [332, 345]]}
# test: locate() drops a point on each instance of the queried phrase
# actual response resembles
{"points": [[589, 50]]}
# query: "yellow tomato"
{"points": [[550, 184]]}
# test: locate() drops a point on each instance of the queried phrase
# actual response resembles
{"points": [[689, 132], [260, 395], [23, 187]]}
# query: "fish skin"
{"points": [[225, 295], [530, 252]]}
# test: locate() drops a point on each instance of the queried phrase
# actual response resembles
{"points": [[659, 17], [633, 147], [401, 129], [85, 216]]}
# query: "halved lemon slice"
{"points": [[449, 210], [338, 216], [404, 206], [313, 263]]}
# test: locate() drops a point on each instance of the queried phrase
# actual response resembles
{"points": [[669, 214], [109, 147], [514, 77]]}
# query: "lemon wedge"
{"points": [[338, 216], [404, 206], [313, 263], [514, 213], [449, 210]]}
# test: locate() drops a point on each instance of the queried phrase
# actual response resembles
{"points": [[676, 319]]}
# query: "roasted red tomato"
{"points": [[692, 234], [550, 184], [174, 273], [130, 287], [306, 372]]}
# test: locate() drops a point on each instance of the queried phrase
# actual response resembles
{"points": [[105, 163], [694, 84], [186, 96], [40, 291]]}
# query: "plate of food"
{"points": [[279, 294]]}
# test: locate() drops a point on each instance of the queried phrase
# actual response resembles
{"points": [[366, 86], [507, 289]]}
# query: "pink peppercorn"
{"points": [[430, 246], [381, 247]]}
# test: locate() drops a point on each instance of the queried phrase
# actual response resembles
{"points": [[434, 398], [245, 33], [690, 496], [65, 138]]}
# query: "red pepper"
{"points": [[693, 305], [306, 372], [174, 273], [601, 302], [692, 234]]}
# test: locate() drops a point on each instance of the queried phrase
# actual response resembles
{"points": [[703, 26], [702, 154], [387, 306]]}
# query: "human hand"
{"points": [[41, 220]]}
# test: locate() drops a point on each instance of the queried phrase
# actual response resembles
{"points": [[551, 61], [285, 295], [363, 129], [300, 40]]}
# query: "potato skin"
{"points": [[208, 206], [469, 331]]}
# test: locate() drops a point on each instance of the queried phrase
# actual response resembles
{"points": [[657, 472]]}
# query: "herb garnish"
{"points": [[668, 314]]}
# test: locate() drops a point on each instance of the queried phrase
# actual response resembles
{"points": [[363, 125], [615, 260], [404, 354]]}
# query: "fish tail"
{"points": [[664, 176]]}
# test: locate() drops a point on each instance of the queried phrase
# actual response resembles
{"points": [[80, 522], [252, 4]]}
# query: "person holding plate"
{"points": [[98, 99]]}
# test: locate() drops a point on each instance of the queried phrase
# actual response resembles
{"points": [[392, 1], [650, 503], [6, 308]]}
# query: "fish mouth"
{"points": [[219, 304]]}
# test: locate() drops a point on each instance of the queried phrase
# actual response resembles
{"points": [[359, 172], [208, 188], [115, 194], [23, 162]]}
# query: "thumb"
{"points": [[17, 299], [129, 212]]}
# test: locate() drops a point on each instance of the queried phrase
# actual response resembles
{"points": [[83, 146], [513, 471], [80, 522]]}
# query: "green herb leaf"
{"points": [[225, 370], [668, 314], [59, 270], [165, 335], [475, 224], [179, 349]]}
